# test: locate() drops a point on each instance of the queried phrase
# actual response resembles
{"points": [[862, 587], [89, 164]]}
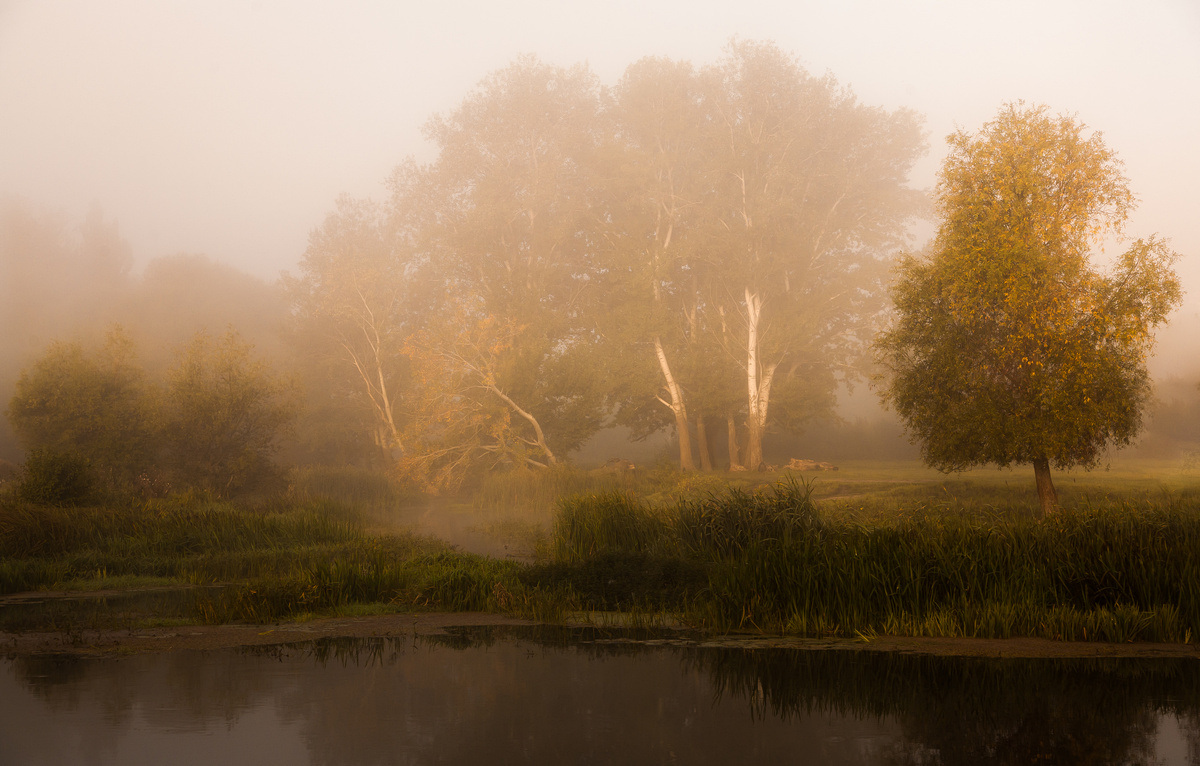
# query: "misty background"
{"points": [[166, 162]]}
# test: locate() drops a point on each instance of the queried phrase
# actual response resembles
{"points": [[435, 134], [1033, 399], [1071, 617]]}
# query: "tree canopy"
{"points": [[214, 423], [1008, 345], [97, 405], [684, 250], [224, 414]]}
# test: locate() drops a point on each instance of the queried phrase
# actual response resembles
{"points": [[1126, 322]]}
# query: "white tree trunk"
{"points": [[758, 382], [678, 407]]}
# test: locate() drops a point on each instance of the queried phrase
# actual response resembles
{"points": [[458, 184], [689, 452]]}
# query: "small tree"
{"points": [[55, 478], [1008, 346], [225, 414], [96, 405]]}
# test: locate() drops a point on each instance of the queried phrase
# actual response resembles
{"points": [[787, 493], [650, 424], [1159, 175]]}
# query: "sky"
{"points": [[230, 128]]}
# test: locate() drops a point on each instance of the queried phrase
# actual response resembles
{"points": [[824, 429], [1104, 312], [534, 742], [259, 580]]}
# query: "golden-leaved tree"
{"points": [[1008, 345]]}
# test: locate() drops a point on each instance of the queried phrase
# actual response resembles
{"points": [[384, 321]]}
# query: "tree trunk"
{"points": [[731, 424], [754, 458], [678, 407], [758, 383], [702, 442], [540, 438], [1045, 486]]}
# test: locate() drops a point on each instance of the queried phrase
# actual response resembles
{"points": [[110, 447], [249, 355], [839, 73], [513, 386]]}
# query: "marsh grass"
{"points": [[537, 493], [1103, 570], [277, 559], [859, 558]]}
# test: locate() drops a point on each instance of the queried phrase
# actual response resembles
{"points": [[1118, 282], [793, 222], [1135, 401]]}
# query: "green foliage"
{"points": [[1112, 573], [537, 493], [1007, 346], [97, 405], [215, 426], [225, 413], [55, 478], [359, 488], [768, 560], [612, 522]]}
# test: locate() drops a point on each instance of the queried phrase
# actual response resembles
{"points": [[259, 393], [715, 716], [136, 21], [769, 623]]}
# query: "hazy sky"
{"points": [[230, 128]]}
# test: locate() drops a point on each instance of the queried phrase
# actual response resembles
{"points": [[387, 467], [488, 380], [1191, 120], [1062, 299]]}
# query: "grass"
{"points": [[1110, 571], [871, 549], [277, 560]]}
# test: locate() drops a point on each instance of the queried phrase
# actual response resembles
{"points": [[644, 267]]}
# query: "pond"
{"points": [[557, 696]]}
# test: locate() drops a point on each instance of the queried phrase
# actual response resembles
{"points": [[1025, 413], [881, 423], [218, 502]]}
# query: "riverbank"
{"points": [[116, 643], [766, 560]]}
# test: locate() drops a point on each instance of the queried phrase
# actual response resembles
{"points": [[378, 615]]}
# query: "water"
{"points": [[561, 697]]}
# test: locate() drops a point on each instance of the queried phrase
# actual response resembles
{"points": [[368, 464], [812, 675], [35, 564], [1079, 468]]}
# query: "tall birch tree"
{"points": [[655, 188], [810, 195]]}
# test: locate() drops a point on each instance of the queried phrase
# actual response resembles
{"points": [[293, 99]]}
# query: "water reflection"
{"points": [[582, 697], [980, 711]]}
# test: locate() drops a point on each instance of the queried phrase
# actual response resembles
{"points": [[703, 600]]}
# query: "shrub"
{"points": [[52, 477]]}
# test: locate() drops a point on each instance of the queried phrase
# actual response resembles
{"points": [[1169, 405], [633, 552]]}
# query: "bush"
{"points": [[55, 478], [97, 404]]}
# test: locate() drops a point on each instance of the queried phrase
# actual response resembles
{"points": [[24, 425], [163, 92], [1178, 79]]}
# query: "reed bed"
{"points": [[1113, 572], [537, 493], [282, 558], [772, 559], [367, 491]]}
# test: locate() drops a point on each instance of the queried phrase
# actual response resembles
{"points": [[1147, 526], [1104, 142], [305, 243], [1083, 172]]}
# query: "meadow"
{"points": [[872, 549]]}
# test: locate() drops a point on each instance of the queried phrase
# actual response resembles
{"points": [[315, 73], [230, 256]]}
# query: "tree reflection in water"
{"points": [[568, 695], [973, 710]]}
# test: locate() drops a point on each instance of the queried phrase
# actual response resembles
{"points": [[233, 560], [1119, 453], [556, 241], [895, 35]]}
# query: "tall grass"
{"points": [[283, 558], [192, 538], [538, 492], [365, 490], [772, 559], [1116, 571]]}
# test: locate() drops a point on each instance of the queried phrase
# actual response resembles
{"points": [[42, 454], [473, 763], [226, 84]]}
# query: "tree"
{"points": [[57, 279], [96, 405], [351, 314], [225, 414], [511, 246], [654, 181], [810, 193], [1008, 346], [747, 215]]}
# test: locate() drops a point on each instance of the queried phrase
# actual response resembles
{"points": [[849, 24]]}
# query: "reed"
{"points": [[277, 560], [360, 488], [1110, 571], [536, 493], [771, 559]]}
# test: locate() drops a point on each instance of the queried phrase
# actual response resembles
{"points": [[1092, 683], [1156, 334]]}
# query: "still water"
{"points": [[519, 696]]}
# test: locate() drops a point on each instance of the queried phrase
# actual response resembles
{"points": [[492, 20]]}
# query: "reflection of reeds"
{"points": [[1113, 573]]}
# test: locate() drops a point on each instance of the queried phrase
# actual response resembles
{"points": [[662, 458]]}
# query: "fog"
{"points": [[228, 130]]}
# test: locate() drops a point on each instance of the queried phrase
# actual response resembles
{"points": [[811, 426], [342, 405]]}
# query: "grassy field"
{"points": [[873, 548]]}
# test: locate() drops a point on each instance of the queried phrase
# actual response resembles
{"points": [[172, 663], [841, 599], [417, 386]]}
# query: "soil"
{"points": [[206, 637], [209, 637]]}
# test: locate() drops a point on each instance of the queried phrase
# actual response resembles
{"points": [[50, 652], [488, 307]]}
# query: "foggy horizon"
{"points": [[230, 131]]}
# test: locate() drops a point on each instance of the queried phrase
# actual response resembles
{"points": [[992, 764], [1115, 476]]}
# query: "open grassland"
{"points": [[871, 549]]}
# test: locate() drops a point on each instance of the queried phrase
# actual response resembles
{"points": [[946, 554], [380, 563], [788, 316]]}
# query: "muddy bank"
{"points": [[206, 637]]}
